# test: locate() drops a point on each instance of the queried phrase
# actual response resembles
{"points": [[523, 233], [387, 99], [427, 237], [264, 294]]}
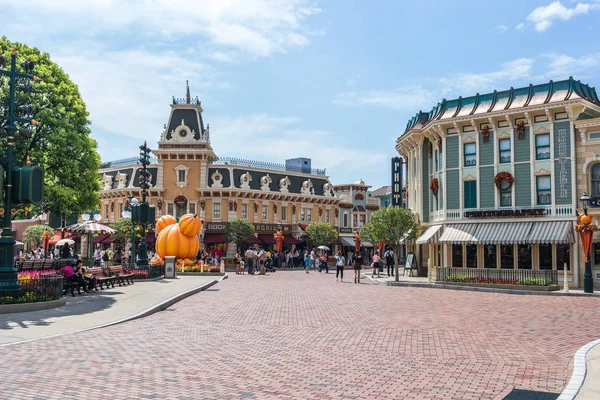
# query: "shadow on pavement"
{"points": [[520, 394], [78, 305]]}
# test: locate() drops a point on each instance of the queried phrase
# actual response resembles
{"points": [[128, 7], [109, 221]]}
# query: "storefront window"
{"points": [[245, 211], [506, 198], [264, 213], [507, 256], [544, 191], [471, 256], [545, 256], [302, 214], [457, 254], [489, 253], [326, 215], [524, 256], [216, 210], [563, 255], [284, 213], [595, 256], [595, 180]]}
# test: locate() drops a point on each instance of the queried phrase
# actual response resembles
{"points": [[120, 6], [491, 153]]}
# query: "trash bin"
{"points": [[170, 267]]}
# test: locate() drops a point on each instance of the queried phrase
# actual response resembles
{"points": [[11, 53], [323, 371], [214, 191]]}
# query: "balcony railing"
{"points": [[268, 165], [459, 214]]}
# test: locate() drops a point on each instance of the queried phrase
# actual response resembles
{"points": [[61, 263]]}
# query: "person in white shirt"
{"points": [[312, 259]]}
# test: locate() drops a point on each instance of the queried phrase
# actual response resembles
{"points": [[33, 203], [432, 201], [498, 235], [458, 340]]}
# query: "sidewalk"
{"points": [[97, 308], [591, 384]]}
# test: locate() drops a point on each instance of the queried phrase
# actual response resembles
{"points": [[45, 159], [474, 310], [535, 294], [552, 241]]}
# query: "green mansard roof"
{"points": [[511, 99]]}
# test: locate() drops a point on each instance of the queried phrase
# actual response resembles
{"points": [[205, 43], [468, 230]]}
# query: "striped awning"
{"points": [[347, 241], [90, 227], [431, 235], [459, 234], [503, 232], [552, 232]]}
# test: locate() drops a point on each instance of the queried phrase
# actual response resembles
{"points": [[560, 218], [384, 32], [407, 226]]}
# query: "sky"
{"points": [[335, 81]]}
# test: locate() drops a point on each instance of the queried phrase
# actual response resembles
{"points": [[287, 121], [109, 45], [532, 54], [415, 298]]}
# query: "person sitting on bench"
{"points": [[70, 276]]}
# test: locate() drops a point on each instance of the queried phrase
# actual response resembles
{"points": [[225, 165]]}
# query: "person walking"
{"points": [[375, 264], [324, 262], [66, 252], [339, 264], [357, 264], [389, 262], [312, 259], [306, 262], [250, 259]]}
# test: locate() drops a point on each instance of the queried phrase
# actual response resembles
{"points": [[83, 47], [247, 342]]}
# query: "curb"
{"points": [[484, 289], [26, 307], [579, 372], [149, 311]]}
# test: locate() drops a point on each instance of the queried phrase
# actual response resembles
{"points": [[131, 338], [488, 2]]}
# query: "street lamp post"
{"points": [[8, 274], [89, 216], [142, 213], [586, 231]]}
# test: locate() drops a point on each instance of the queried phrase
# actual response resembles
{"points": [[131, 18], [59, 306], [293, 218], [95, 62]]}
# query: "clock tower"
{"points": [[184, 151]]}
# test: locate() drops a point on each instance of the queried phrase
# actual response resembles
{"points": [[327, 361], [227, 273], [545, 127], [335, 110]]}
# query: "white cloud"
{"points": [[520, 27], [254, 27], [421, 97], [542, 17], [275, 139], [500, 28], [562, 66]]}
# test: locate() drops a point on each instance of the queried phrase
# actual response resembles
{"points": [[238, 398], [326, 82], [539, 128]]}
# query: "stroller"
{"points": [[269, 267]]}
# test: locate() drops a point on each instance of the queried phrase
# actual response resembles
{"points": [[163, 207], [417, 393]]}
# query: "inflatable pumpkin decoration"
{"points": [[585, 219], [190, 225], [172, 242], [163, 222]]}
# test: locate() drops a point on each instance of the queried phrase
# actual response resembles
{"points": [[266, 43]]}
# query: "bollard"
{"points": [[222, 266], [565, 280]]}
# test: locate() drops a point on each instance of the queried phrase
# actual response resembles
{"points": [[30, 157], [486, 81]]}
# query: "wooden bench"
{"points": [[102, 278], [28, 264], [127, 277]]}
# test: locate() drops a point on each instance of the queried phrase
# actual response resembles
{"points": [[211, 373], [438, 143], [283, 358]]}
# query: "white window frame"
{"points": [[216, 210], [245, 211], [178, 168]]}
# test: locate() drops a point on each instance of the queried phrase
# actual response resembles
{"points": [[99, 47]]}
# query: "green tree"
{"points": [[391, 225], [321, 234], [239, 231], [61, 143], [122, 233], [33, 235]]}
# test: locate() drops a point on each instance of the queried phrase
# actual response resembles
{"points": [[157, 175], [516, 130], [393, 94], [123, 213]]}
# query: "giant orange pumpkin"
{"points": [[190, 225], [171, 242], [164, 221]]}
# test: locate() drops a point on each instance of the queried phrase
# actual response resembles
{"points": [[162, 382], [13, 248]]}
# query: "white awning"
{"points": [[459, 234], [551, 232], [431, 235], [503, 232]]}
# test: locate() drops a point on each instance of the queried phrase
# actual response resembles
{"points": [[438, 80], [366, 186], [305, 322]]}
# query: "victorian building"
{"points": [[495, 178], [356, 206], [188, 177]]}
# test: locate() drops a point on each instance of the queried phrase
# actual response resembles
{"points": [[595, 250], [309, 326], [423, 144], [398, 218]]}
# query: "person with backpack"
{"points": [[339, 263], [389, 261], [105, 257]]}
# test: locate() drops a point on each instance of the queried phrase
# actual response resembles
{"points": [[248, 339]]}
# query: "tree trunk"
{"points": [[397, 263]]}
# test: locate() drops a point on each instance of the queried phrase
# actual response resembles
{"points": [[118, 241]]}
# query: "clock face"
{"points": [[183, 133]]}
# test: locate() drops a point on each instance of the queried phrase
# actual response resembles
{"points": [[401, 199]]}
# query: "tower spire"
{"points": [[187, 93]]}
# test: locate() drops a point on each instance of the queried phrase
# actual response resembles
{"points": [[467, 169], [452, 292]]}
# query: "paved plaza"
{"points": [[290, 335]]}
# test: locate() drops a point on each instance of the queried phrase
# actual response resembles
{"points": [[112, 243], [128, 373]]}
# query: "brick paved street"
{"points": [[297, 336]]}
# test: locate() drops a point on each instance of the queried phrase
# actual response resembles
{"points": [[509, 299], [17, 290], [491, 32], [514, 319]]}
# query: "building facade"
{"points": [[356, 205], [188, 177], [494, 179], [384, 194]]}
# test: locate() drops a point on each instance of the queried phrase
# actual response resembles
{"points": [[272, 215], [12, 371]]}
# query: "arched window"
{"points": [[595, 180], [180, 205]]}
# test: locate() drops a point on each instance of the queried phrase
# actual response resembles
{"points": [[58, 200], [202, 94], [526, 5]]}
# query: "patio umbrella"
{"points": [[62, 242], [323, 248], [90, 227]]}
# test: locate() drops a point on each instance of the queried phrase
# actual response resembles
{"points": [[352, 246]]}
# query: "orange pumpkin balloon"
{"points": [[190, 225], [585, 219], [171, 242], [164, 221]]}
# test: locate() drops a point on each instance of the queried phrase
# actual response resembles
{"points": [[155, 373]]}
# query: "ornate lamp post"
{"points": [[20, 81], [91, 216], [586, 231], [143, 214]]}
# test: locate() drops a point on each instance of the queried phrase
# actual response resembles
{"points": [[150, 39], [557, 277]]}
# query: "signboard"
{"points": [[397, 181], [524, 212], [411, 263], [345, 230], [264, 228]]}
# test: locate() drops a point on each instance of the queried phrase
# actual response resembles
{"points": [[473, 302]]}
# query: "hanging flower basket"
{"points": [[521, 130], [504, 180], [434, 186], [485, 133]]}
